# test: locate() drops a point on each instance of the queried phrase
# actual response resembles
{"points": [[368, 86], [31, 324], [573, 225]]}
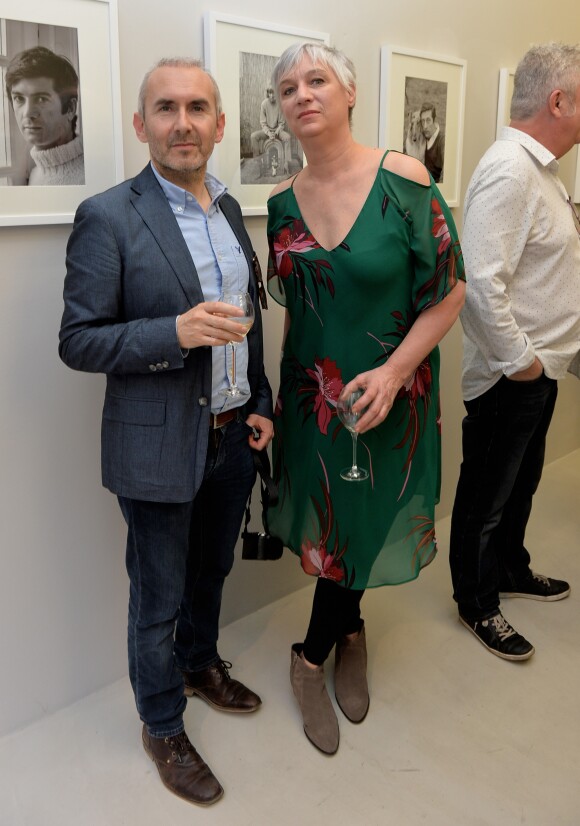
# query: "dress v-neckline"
{"points": [[357, 217]]}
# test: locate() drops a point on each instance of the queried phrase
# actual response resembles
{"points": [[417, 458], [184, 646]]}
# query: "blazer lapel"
{"points": [[151, 204]]}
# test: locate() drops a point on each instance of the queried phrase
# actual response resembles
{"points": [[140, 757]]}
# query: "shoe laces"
{"points": [[224, 665], [541, 578], [502, 626], [179, 745]]}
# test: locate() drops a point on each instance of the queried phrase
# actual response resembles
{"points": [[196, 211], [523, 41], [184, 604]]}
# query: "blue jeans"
{"points": [[178, 556], [504, 438]]}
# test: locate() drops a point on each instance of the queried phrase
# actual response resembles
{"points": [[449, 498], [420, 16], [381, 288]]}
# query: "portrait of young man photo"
{"points": [[44, 145]]}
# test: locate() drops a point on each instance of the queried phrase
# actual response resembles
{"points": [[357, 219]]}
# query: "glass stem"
{"points": [[354, 439], [233, 365]]}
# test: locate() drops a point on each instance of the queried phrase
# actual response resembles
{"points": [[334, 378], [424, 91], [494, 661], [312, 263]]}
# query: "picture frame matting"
{"points": [[409, 79], [98, 69], [227, 41]]}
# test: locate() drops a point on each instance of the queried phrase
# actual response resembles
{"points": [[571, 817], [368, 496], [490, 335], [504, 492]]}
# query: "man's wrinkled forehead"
{"points": [[171, 84]]}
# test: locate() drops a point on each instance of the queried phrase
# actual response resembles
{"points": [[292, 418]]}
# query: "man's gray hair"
{"points": [[321, 55], [177, 63], [542, 69]]}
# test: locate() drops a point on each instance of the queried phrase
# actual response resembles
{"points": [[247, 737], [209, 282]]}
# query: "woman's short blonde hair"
{"points": [[321, 55]]}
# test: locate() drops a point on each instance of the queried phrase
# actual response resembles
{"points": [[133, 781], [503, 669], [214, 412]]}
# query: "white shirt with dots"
{"points": [[522, 257]]}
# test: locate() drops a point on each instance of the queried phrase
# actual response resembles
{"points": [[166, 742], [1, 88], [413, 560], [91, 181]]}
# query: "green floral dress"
{"points": [[350, 308]]}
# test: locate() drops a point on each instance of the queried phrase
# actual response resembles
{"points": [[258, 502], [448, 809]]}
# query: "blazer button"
{"points": [[202, 401], [152, 368], [165, 365]]}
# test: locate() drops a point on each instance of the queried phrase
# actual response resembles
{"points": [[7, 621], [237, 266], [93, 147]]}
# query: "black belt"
{"points": [[217, 420]]}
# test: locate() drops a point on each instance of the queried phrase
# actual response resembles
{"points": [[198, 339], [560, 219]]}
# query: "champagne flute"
{"points": [[244, 302], [349, 419]]}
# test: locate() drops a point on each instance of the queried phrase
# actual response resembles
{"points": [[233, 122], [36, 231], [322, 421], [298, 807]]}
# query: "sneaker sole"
{"points": [[553, 598], [511, 657]]}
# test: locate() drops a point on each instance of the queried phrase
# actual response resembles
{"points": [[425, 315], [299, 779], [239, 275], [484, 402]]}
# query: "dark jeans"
{"points": [[335, 612], [504, 438], [178, 556]]}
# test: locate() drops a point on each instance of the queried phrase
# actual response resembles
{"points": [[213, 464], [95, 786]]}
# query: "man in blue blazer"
{"points": [[146, 264]]}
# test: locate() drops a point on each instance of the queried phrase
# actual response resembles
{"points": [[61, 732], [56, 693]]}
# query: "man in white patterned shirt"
{"points": [[521, 324]]}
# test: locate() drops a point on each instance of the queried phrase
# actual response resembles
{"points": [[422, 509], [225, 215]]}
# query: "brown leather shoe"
{"points": [[217, 688], [181, 768]]}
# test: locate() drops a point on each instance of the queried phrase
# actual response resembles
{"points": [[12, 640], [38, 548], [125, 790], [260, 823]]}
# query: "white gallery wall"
{"points": [[63, 588]]}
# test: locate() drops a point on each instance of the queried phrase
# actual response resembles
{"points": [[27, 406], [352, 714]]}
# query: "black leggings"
{"points": [[335, 612]]}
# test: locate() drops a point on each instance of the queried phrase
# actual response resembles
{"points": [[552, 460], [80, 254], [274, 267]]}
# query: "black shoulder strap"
{"points": [[260, 282], [268, 488]]}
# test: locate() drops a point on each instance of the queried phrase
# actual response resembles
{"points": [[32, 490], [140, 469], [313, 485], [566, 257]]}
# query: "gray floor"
{"points": [[454, 736]]}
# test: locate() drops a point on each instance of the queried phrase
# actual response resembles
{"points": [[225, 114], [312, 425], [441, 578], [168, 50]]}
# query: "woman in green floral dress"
{"points": [[364, 256]]}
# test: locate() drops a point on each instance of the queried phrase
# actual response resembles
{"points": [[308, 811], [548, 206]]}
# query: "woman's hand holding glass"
{"points": [[349, 418], [379, 390]]}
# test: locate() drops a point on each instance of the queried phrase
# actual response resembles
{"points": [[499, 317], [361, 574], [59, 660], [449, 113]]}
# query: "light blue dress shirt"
{"points": [[222, 268]]}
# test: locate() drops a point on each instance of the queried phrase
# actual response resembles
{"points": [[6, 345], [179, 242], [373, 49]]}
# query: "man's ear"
{"points": [[221, 125], [139, 126], [558, 103], [71, 109]]}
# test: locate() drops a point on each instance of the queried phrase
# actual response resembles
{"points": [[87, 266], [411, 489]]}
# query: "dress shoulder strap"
{"points": [[294, 178], [383, 158]]}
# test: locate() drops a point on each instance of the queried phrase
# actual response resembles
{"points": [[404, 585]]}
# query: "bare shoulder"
{"points": [[282, 186], [406, 167]]}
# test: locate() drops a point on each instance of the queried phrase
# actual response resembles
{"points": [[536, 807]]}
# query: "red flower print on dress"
{"points": [[425, 528], [292, 239], [419, 385], [440, 228], [417, 391], [317, 557], [325, 386], [317, 562], [448, 256], [288, 248]]}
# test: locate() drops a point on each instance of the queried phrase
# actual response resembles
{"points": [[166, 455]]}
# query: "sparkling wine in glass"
{"points": [[349, 420], [244, 302]]}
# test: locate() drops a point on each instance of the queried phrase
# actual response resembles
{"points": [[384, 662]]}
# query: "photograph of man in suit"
{"points": [[146, 264], [43, 90]]}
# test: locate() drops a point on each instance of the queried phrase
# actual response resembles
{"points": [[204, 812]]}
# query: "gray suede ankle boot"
{"points": [[350, 677], [318, 715]]}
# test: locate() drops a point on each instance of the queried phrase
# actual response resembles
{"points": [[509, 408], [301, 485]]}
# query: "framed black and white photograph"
{"points": [[57, 145], [504, 99], [422, 100], [258, 151]]}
